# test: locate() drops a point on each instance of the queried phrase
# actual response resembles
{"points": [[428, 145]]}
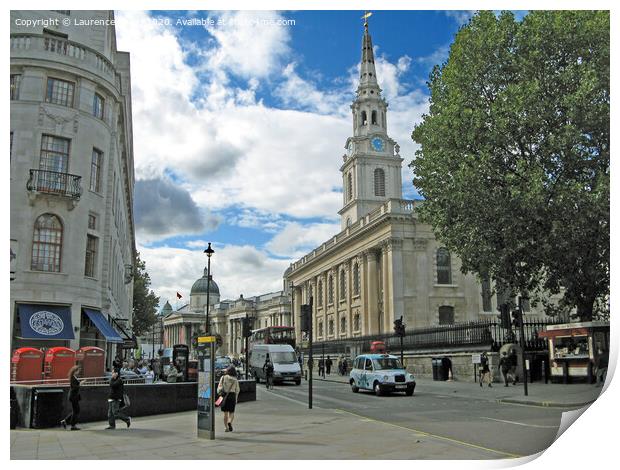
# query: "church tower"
{"points": [[371, 172]]}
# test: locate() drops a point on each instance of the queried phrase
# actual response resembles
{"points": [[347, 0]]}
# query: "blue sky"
{"points": [[239, 131]]}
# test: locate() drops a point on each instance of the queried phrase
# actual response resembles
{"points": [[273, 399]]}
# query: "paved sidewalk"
{"points": [[269, 428], [539, 394]]}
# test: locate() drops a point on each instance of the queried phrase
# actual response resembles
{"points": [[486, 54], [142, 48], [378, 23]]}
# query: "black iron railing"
{"points": [[54, 182], [481, 334]]}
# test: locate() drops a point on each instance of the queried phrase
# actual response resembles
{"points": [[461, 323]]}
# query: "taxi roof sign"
{"points": [[206, 339]]}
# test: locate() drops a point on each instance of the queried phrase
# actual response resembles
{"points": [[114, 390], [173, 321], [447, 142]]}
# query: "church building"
{"points": [[384, 264]]}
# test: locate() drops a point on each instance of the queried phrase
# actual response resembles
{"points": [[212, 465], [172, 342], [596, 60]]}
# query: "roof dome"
{"points": [[167, 308], [200, 286]]}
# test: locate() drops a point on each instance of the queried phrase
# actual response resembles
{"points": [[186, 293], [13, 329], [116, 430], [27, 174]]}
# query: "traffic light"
{"points": [[504, 316], [516, 318], [306, 317], [246, 330], [399, 327]]}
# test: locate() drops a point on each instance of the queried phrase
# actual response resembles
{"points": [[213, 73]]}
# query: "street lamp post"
{"points": [[209, 252]]}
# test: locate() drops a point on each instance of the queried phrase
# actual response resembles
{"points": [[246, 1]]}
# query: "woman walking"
{"points": [[74, 399], [229, 387]]}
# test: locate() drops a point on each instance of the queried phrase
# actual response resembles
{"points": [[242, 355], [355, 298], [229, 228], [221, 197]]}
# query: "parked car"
{"points": [[381, 373], [127, 375]]}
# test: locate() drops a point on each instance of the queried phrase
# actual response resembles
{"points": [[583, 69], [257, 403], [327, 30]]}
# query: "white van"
{"points": [[285, 365]]}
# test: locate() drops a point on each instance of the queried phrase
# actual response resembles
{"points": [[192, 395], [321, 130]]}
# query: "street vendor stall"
{"points": [[574, 349]]}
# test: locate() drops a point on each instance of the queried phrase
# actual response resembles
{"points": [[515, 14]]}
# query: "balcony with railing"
{"points": [[55, 183], [51, 48]]}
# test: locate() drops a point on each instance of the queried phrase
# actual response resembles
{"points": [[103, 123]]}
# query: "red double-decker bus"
{"points": [[273, 335]]}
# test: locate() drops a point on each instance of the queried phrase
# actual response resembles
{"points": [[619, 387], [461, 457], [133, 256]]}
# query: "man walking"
{"points": [[328, 365], [485, 372], [115, 402], [504, 366]]}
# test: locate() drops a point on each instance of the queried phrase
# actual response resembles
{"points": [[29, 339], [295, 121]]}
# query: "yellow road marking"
{"points": [[424, 433]]}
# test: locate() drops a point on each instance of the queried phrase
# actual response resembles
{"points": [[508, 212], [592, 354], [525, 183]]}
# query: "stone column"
{"points": [[397, 279], [372, 288], [296, 313], [385, 271]]}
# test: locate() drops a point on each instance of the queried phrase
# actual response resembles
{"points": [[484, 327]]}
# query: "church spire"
{"points": [[368, 75]]}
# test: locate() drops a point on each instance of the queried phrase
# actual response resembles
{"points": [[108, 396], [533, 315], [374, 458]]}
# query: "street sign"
{"points": [[206, 339], [475, 358]]}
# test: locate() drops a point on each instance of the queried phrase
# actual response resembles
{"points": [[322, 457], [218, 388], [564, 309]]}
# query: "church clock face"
{"points": [[377, 144]]}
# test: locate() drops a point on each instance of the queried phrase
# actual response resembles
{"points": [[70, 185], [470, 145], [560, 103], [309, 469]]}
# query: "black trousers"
{"points": [[72, 418]]}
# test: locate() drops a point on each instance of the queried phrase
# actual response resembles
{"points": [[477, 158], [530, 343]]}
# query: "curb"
{"points": [[547, 404]]}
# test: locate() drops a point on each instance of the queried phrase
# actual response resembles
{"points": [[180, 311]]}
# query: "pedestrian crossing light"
{"points": [[399, 327], [306, 317]]}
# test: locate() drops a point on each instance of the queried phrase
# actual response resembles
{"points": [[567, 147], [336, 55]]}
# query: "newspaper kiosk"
{"points": [[574, 349]]}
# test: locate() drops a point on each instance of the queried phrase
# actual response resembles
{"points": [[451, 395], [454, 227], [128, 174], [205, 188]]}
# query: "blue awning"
{"points": [[45, 321], [111, 335]]}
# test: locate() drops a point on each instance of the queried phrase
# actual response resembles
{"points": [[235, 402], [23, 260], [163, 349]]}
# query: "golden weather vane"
{"points": [[365, 17]]}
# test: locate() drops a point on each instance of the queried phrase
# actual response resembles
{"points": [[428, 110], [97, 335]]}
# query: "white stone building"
{"points": [[72, 182], [384, 264]]}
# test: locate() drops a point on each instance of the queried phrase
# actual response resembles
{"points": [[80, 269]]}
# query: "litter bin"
{"points": [[436, 362], [444, 371], [14, 409], [47, 407]]}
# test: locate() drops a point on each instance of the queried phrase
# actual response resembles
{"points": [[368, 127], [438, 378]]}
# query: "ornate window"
{"points": [[486, 295], [343, 325], [444, 272], [356, 279], [446, 315], [16, 80], [330, 327], [320, 293], [46, 244], [98, 106], [356, 322], [330, 290], [343, 284], [59, 92], [54, 153], [95, 170], [379, 182], [91, 256], [320, 329]]}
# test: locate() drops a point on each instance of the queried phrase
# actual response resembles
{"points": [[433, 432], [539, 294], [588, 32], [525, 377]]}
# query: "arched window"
{"points": [[444, 272], [349, 187], [364, 118], [373, 117], [46, 244], [379, 182], [356, 322], [356, 279], [330, 290], [320, 293], [343, 284], [446, 315], [343, 325]]}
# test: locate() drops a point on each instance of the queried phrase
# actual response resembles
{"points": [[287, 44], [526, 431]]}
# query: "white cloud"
{"points": [[235, 269], [295, 240], [233, 154], [460, 16]]}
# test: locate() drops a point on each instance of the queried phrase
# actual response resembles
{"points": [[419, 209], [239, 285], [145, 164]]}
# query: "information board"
{"points": [[206, 360]]}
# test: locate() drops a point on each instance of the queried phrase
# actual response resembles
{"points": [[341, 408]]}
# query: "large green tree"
{"points": [[514, 153], [144, 300]]}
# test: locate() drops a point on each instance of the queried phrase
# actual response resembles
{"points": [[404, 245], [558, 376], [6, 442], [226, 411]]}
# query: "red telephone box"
{"points": [[27, 365], [58, 361], [92, 361]]}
